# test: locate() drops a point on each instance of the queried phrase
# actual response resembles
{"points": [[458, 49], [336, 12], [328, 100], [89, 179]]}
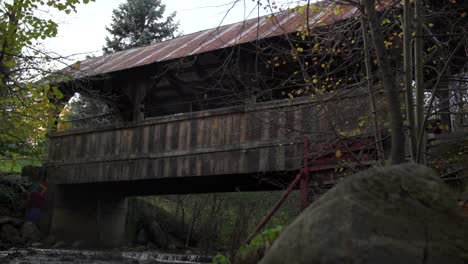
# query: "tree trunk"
{"points": [[408, 68], [375, 120], [393, 102], [418, 61], [195, 214], [419, 74]]}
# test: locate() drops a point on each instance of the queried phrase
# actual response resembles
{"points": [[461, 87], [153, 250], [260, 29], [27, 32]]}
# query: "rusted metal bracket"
{"points": [[272, 211], [303, 178]]}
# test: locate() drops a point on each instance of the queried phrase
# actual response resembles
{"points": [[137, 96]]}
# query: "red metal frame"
{"points": [[327, 161]]}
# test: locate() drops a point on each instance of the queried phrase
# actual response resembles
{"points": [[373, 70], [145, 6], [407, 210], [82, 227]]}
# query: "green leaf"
{"points": [[386, 21], [56, 93]]}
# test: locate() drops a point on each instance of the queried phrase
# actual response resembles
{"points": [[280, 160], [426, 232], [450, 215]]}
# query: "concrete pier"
{"points": [[94, 217]]}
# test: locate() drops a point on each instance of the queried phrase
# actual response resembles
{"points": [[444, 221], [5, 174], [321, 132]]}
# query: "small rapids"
{"points": [[59, 256]]}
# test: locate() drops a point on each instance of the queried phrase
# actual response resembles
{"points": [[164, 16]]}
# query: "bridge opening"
{"points": [[206, 222]]}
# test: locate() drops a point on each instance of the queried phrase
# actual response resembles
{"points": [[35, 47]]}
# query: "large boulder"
{"points": [[9, 234], [158, 235], [149, 222], [11, 220], [142, 237], [400, 214], [30, 232]]}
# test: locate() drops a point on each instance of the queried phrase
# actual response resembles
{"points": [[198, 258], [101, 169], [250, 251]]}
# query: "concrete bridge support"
{"points": [[97, 218]]}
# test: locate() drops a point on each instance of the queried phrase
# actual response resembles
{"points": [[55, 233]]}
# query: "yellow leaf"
{"points": [[338, 153], [337, 10]]}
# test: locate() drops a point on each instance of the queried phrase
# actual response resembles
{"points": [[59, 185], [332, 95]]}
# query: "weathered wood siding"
{"points": [[265, 137]]}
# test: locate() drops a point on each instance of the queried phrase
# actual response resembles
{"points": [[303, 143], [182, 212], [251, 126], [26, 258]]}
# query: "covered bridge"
{"points": [[223, 109], [215, 102], [210, 111]]}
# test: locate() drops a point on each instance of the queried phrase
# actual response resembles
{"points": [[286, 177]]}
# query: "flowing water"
{"points": [[58, 256]]}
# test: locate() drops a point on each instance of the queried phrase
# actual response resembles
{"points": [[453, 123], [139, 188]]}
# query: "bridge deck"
{"points": [[263, 138]]}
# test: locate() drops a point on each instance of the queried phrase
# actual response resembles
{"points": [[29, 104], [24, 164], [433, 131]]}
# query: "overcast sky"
{"points": [[84, 32]]}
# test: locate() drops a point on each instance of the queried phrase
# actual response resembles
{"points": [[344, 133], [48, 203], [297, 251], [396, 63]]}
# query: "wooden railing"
{"points": [[264, 137]]}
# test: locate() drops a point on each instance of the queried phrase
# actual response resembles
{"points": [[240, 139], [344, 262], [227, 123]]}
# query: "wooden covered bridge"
{"points": [[205, 112], [185, 107], [227, 109]]}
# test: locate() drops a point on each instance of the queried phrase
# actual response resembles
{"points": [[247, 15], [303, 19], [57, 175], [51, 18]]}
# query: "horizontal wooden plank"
{"points": [[267, 137], [286, 103], [198, 151]]}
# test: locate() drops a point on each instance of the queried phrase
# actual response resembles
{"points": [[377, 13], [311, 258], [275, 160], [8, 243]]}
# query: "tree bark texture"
{"points": [[418, 65], [408, 68], [373, 107], [389, 83]]}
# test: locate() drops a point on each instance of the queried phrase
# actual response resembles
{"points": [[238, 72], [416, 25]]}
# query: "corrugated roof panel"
{"points": [[278, 25], [119, 60], [218, 39], [159, 50], [213, 39], [249, 28], [210, 37], [155, 49], [188, 44], [126, 59]]}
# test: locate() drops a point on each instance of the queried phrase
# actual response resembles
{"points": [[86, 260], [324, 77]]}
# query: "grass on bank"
{"points": [[14, 166]]}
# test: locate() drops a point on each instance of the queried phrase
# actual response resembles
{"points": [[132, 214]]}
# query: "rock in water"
{"points": [[36, 245], [157, 235], [49, 241], [79, 244], [60, 244], [142, 237], [400, 214]]}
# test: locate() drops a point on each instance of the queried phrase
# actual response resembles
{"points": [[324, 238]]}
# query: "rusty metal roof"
{"points": [[278, 24]]}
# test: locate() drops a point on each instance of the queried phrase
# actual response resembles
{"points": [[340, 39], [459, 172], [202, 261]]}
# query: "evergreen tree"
{"points": [[138, 23]]}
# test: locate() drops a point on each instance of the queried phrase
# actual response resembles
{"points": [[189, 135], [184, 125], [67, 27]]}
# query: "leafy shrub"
{"points": [[220, 259], [12, 189], [255, 250], [262, 241]]}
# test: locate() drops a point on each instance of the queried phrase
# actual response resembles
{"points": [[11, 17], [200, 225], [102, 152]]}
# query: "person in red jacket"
{"points": [[36, 202]]}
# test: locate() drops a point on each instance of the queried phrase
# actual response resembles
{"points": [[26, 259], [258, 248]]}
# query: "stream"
{"points": [[60, 256]]}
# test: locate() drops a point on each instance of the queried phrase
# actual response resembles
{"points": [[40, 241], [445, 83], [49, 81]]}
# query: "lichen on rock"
{"points": [[399, 214]]}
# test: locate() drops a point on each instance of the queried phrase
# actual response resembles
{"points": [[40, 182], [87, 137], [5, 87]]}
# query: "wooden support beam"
{"points": [[136, 90]]}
